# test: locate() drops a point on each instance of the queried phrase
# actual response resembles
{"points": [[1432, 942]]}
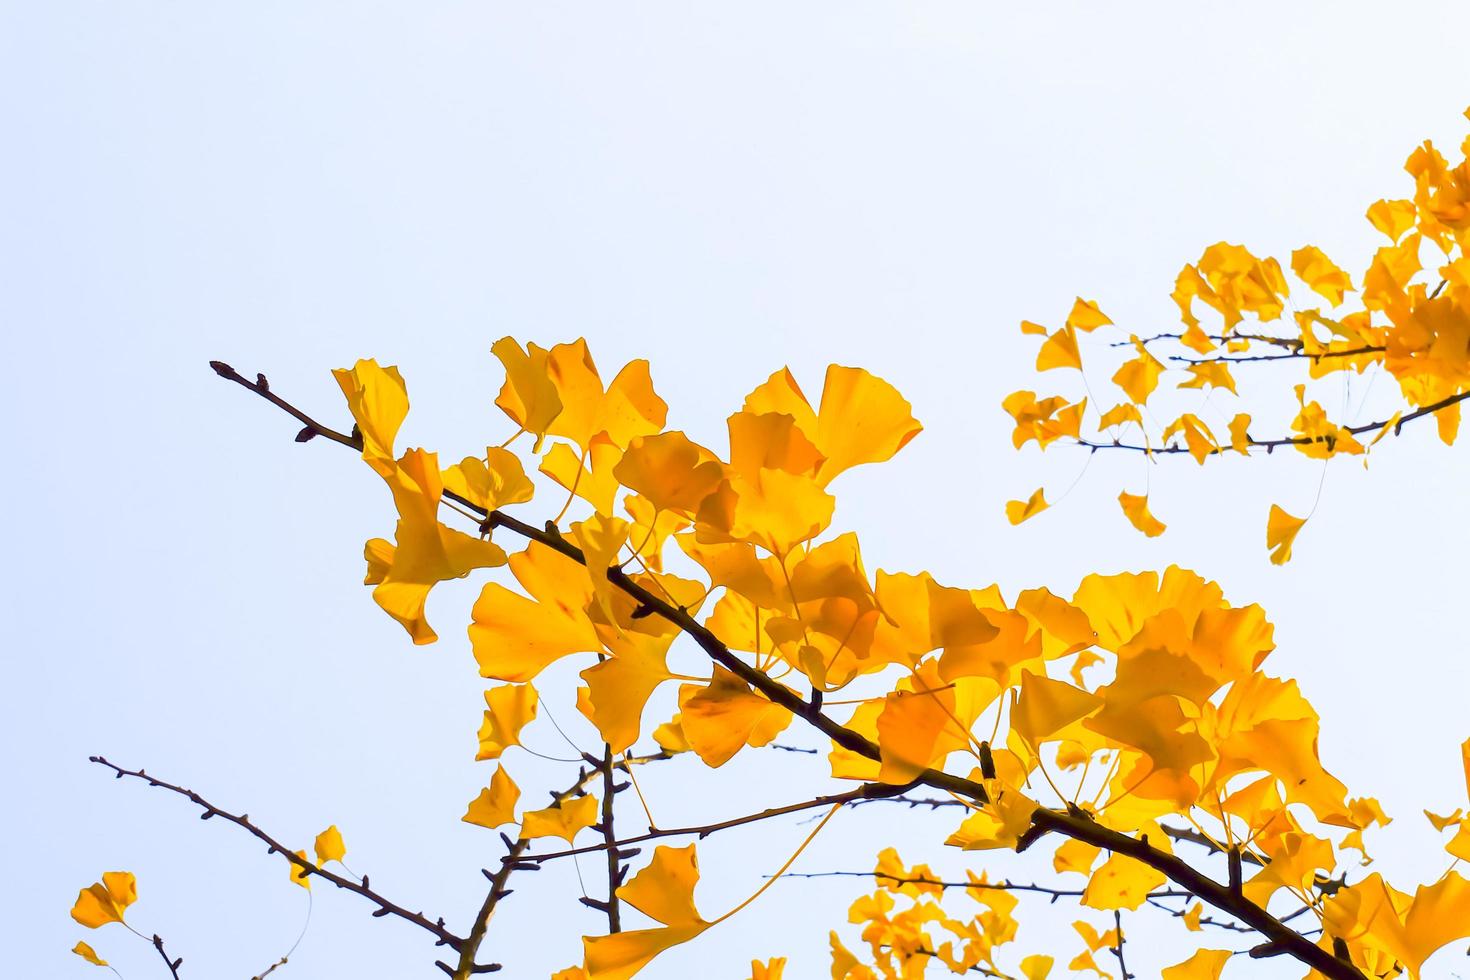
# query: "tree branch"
{"points": [[869, 791], [1077, 824], [442, 936], [173, 965], [610, 842]]}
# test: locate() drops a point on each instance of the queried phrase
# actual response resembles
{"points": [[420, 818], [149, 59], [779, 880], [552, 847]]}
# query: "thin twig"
{"points": [[173, 965], [869, 791], [442, 936]]}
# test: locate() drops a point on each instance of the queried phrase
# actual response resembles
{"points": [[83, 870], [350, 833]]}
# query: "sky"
{"points": [[724, 190]]}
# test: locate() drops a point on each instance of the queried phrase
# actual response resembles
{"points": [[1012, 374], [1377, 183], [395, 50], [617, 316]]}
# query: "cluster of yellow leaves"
{"points": [[1411, 319], [100, 903], [906, 927], [1139, 698]]}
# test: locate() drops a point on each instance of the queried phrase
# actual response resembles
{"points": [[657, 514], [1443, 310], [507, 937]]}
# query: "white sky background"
{"points": [[289, 186]]}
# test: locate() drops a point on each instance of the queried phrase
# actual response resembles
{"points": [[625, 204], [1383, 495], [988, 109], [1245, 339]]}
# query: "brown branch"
{"points": [[869, 791], [1294, 355], [1071, 823], [1270, 444], [610, 842], [442, 935], [1204, 920], [1192, 836], [262, 388], [1118, 944], [173, 965]]}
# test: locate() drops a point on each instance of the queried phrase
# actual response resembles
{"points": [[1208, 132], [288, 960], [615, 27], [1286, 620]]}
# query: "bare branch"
{"points": [[442, 936]]}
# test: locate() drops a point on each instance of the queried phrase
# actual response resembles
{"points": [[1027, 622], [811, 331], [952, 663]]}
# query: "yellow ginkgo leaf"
{"points": [[862, 418], [601, 538], [1205, 964], [620, 686], [105, 901], [300, 875], [329, 846], [425, 552], [1085, 316], [663, 891], [1240, 439], [528, 396], [561, 820], [1139, 377], [1281, 532], [672, 472], [1210, 374], [1045, 706], [509, 708], [492, 482], [628, 408], [1136, 509], [1059, 351], [772, 969], [378, 401], [1022, 510], [1320, 273], [1075, 855], [1393, 218], [1121, 883], [720, 718], [496, 804], [1037, 967], [514, 638], [89, 954]]}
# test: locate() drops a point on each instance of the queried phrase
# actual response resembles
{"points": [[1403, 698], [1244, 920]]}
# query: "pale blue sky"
{"points": [[289, 186]]}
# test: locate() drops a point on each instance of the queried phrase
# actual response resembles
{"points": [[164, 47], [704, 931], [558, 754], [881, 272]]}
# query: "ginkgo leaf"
{"points": [[1037, 967], [378, 401], [628, 408], [772, 969], [1240, 439], [300, 875], [601, 538], [496, 804], [1281, 532], [1205, 964], [1059, 351], [670, 471], [425, 552], [720, 718], [528, 396], [329, 846], [1000, 824], [492, 482], [863, 419], [1045, 706], [1139, 377], [1075, 855], [514, 637], [588, 473], [105, 901], [1023, 510], [663, 891], [1136, 509], [509, 708], [1085, 316], [1393, 218], [620, 686], [560, 820], [1121, 883], [87, 953], [1320, 273]]}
